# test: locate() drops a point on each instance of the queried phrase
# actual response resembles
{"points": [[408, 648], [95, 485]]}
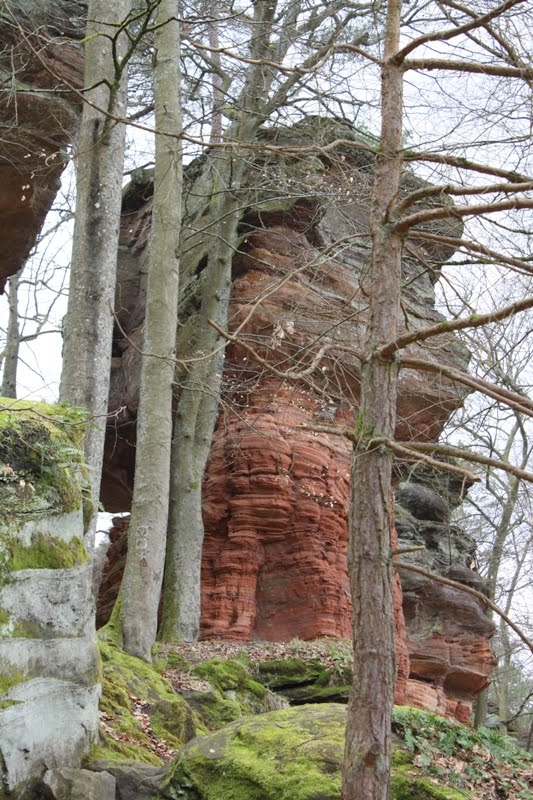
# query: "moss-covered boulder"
{"points": [[233, 692], [42, 468], [291, 754], [303, 681], [143, 718], [49, 666]]}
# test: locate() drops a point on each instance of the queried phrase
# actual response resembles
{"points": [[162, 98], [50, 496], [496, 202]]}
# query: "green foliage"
{"points": [[440, 745]]}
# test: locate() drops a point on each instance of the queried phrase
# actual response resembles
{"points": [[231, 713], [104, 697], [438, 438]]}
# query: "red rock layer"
{"points": [[274, 564]]}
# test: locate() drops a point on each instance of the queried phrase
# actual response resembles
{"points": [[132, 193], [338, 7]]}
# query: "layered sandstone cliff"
{"points": [[275, 490]]}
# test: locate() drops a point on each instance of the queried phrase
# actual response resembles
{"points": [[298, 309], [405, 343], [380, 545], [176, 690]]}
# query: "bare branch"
{"points": [[451, 33], [447, 326], [517, 402], [468, 590]]}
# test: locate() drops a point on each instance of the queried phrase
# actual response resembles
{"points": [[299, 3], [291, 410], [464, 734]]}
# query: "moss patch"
{"points": [[46, 552], [10, 678], [283, 755], [233, 693], [41, 458], [406, 784], [230, 675], [284, 673], [307, 681], [142, 717]]}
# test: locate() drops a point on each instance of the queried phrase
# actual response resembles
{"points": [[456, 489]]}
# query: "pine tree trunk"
{"points": [[366, 769]]}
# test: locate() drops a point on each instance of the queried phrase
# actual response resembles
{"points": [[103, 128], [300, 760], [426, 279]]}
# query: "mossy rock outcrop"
{"points": [[49, 668], [306, 681], [143, 717], [42, 469], [291, 754], [234, 693]]}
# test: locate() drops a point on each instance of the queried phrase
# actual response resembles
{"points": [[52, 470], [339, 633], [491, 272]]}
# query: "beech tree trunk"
{"points": [[366, 769], [100, 158], [11, 352], [200, 392], [148, 528]]}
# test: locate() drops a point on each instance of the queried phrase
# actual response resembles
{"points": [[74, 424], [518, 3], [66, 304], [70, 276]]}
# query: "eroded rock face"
{"points": [[276, 489], [448, 632], [38, 53]]}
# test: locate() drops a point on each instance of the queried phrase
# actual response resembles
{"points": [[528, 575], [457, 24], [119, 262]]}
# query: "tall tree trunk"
{"points": [[198, 405], [100, 157], [11, 353], [195, 422], [217, 87], [368, 734], [502, 532], [148, 528]]}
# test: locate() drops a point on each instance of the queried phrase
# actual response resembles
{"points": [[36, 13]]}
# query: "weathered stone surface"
{"points": [[57, 602], [51, 723], [49, 666], [448, 632], [78, 784], [134, 781]]}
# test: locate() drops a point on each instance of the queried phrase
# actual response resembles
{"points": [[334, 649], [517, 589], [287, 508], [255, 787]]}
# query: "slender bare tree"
{"points": [[147, 534], [100, 159]]}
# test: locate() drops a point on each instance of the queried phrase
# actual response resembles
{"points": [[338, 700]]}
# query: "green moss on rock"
{"points": [[213, 708], [282, 755], [306, 681], [233, 692], [42, 466], [292, 754], [229, 675], [10, 678], [46, 552], [406, 784], [139, 706], [284, 673]]}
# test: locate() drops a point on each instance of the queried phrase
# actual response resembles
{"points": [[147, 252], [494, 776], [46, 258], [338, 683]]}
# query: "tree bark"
{"points": [[100, 157], [11, 352], [148, 528], [366, 769], [198, 405]]}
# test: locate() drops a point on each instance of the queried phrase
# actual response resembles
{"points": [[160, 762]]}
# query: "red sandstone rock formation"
{"points": [[276, 491]]}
